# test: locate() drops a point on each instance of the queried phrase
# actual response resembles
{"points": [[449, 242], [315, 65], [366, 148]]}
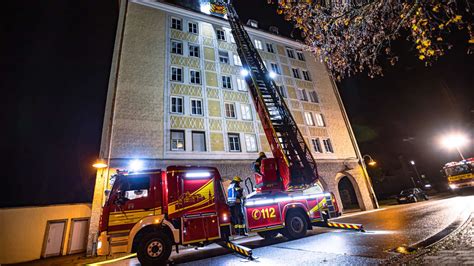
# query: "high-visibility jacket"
{"points": [[234, 194]]}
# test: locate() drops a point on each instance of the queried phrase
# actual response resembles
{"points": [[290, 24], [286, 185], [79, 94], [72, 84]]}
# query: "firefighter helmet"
{"points": [[237, 179], [261, 153]]}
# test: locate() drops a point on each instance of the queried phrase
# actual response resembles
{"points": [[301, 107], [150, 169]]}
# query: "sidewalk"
{"points": [[456, 249]]}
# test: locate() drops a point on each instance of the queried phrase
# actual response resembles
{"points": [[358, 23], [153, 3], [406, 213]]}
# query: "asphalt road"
{"points": [[387, 228]]}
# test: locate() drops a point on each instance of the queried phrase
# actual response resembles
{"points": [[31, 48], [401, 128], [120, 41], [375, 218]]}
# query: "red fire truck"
{"points": [[150, 211]]}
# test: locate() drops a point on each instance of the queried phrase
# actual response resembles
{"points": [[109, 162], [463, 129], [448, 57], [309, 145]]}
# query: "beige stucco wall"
{"points": [[138, 121], [22, 230]]}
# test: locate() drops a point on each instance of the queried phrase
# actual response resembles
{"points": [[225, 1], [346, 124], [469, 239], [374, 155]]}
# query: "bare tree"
{"points": [[350, 35]]}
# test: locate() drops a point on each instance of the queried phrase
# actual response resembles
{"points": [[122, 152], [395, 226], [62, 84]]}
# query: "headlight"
{"points": [[453, 186]]}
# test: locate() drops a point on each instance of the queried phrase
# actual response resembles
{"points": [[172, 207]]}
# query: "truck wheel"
{"points": [[296, 225], [154, 249], [268, 235]]}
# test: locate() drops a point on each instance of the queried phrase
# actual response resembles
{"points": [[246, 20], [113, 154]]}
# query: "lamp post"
{"points": [[455, 141], [416, 171]]}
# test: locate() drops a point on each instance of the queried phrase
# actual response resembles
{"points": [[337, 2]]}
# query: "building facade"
{"points": [[177, 97]]}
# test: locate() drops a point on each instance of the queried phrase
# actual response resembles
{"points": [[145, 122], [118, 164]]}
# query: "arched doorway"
{"points": [[347, 194]]}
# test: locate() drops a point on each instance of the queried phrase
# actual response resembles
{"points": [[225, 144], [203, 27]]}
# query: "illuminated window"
{"points": [[241, 84], [320, 120], [177, 105], [246, 112], [258, 44], [309, 118], [199, 141], [328, 146], [234, 142], [251, 142], [177, 140], [176, 47], [176, 24], [237, 60]]}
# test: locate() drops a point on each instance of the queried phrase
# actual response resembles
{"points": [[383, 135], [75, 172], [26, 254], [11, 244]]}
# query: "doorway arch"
{"points": [[347, 194]]}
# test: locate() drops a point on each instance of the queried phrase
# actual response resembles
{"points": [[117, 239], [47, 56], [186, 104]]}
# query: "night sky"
{"points": [[55, 60]]}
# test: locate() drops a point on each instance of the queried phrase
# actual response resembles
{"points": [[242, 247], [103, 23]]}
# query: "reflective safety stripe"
{"points": [[231, 194], [239, 226]]}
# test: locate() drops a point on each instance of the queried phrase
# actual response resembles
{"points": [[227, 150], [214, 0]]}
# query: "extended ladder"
{"points": [[296, 164]]}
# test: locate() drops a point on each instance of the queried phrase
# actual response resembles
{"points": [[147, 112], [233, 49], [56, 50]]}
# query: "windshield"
{"points": [[458, 169]]}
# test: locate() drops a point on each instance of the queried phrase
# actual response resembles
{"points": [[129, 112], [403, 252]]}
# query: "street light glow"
{"points": [[372, 163], [454, 141], [412, 162]]}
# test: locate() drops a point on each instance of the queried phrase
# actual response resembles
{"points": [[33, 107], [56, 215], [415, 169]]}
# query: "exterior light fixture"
{"points": [[99, 164], [272, 75], [371, 162], [455, 141], [136, 165], [244, 72]]}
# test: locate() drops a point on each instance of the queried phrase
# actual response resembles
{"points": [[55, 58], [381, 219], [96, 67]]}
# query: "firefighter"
{"points": [[258, 162], [234, 199]]}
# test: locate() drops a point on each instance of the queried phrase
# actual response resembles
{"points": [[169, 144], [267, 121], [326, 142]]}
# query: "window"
{"points": [[136, 187], [290, 53], [309, 118], [296, 73], [195, 77], [234, 142], [220, 35], [231, 38], [317, 145], [224, 57], [258, 44], [270, 48], [246, 112], [226, 82], [176, 47], [196, 107], [300, 56], [313, 96], [199, 141], [194, 50], [230, 110], [177, 74], [237, 60], [328, 145], [306, 75], [251, 143], [241, 84], [282, 91], [176, 24], [177, 140], [302, 96], [275, 68], [193, 27], [320, 120], [177, 105]]}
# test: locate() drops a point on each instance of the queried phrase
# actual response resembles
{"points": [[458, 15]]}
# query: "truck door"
{"points": [[200, 222], [133, 201]]}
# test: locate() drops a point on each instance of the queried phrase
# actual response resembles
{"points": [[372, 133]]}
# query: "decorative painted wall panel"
{"points": [[187, 122], [186, 90]]}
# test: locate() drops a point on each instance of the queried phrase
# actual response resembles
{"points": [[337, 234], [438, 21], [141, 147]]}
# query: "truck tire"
{"points": [[154, 249], [296, 225], [268, 235]]}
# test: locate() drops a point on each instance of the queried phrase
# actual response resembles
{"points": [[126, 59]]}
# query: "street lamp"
{"points": [[455, 141], [416, 171], [371, 161], [99, 164]]}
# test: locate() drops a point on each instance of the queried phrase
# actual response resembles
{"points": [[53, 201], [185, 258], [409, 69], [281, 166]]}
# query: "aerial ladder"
{"points": [[295, 165]]}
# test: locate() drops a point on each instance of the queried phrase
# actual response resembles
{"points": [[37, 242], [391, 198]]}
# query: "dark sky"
{"points": [[55, 61]]}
